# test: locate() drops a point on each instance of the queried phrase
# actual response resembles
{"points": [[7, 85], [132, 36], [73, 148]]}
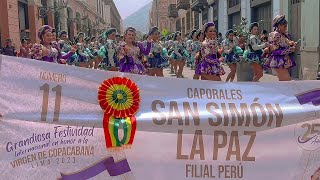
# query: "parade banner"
{"points": [[70, 123]]}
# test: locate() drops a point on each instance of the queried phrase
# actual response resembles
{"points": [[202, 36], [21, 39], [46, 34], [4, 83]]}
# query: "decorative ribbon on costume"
{"points": [[120, 99], [113, 168], [310, 96]]}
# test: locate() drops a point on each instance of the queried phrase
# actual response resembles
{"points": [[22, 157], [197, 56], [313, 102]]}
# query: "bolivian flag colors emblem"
{"points": [[120, 99]]}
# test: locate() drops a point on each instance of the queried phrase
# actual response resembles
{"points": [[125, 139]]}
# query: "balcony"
{"points": [[172, 11], [183, 4], [197, 5]]}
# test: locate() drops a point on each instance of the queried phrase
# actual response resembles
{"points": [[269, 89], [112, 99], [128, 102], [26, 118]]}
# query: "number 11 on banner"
{"points": [[45, 102]]}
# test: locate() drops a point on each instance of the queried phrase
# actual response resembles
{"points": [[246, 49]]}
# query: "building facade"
{"points": [[23, 18], [158, 15]]}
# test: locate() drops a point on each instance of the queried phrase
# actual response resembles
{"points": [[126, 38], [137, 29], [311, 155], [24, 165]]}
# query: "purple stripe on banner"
{"points": [[316, 102], [309, 97], [114, 169]]}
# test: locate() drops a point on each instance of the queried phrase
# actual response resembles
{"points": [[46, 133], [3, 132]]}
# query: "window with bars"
{"points": [[232, 3]]}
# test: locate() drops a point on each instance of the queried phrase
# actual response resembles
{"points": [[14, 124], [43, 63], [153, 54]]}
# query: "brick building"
{"points": [[158, 15], [23, 18]]}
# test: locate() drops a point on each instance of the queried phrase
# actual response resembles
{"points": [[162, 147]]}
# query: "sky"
{"points": [[127, 7]]}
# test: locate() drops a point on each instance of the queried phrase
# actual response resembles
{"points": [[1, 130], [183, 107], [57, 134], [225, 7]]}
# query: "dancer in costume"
{"points": [[93, 48], [282, 49], [65, 47], [255, 50], [231, 57], [169, 46], [54, 41], [179, 54], [82, 54], [109, 51], [158, 55], [144, 43], [209, 66], [46, 51], [197, 57], [131, 53], [189, 47]]}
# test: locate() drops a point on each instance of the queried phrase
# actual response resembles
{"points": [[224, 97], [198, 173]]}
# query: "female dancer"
{"points": [[282, 49], [131, 53], [109, 51], [65, 46], [191, 48], [157, 58], [169, 46], [46, 51], [93, 47], [179, 55], [197, 56], [230, 54], [82, 55], [255, 51], [209, 66]]}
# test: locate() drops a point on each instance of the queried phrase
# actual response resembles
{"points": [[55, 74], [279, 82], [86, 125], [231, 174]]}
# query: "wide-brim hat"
{"points": [[277, 19]]}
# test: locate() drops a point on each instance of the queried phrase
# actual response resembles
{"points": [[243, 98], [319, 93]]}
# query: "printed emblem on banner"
{"points": [[307, 134], [119, 98]]}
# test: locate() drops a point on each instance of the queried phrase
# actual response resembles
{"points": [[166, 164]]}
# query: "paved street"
{"points": [[188, 74]]}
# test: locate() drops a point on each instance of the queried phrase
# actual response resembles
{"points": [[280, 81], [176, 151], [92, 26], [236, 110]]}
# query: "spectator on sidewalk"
{"points": [[9, 49]]}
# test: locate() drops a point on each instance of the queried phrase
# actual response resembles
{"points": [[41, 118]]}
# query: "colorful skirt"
{"points": [[231, 58], [281, 61], [157, 62], [184, 54], [254, 57], [133, 67], [192, 58], [81, 59], [210, 68], [107, 63]]}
